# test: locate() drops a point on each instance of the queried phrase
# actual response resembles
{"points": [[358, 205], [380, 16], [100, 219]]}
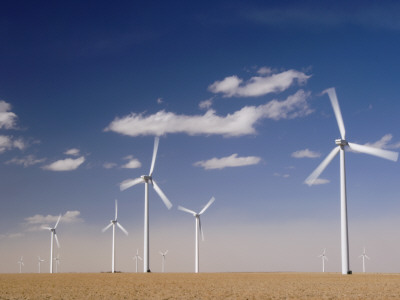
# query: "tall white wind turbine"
{"points": [[364, 256], [324, 258], [198, 229], [146, 179], [342, 144], [53, 236], [21, 263], [163, 254], [113, 223], [136, 258], [39, 262]]}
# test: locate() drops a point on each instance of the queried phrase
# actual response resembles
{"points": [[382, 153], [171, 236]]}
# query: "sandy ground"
{"points": [[200, 286]]}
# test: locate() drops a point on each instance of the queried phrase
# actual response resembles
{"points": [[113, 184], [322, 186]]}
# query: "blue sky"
{"points": [[234, 90]]}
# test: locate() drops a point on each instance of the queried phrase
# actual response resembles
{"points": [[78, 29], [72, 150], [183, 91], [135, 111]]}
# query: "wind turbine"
{"points": [[163, 254], [57, 260], [21, 263], [364, 256], [342, 143], [198, 228], [113, 223], [53, 236], [146, 179], [39, 262], [323, 257], [137, 257]]}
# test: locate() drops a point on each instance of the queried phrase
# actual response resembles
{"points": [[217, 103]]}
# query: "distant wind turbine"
{"points": [[323, 257], [53, 236], [163, 254], [57, 260], [342, 143], [136, 258], [113, 223], [21, 263], [147, 179], [364, 256], [39, 262], [198, 228]]}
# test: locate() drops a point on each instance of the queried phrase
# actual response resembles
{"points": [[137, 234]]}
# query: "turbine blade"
{"points": [[314, 175], [186, 210], [116, 209], [207, 205], [140, 258], [164, 198], [105, 228], [390, 155], [336, 109], [130, 182], [201, 230], [58, 220], [160, 252], [367, 257], [166, 252], [153, 161], [122, 228], [46, 227], [57, 242]]}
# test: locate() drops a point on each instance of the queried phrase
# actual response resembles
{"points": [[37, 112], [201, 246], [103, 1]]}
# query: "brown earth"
{"points": [[200, 286]]}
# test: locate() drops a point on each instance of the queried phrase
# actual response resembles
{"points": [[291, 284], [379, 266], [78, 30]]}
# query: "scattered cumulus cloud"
{"points": [[68, 164], [241, 122], [109, 165], [229, 161], [160, 100], [7, 118], [384, 142], [306, 153], [206, 104], [281, 175], [133, 163], [26, 161], [73, 152], [266, 83], [8, 143], [264, 71], [50, 220]]}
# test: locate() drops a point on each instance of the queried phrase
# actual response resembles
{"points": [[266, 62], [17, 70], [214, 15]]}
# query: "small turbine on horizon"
{"points": [[146, 179], [39, 262], [163, 254], [113, 223], [364, 256], [57, 262], [342, 143], [21, 263], [324, 258], [198, 228], [53, 236], [136, 258]]}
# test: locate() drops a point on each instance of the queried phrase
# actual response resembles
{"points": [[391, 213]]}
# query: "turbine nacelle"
{"points": [[341, 142], [147, 178]]}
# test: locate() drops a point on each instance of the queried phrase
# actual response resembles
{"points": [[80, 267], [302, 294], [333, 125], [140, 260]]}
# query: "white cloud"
{"points": [[26, 161], [50, 220], [264, 70], [73, 152], [281, 175], [229, 161], [306, 153], [133, 163], [241, 122], [206, 104], [160, 100], [109, 165], [384, 143], [8, 143], [7, 118], [67, 164], [258, 85]]}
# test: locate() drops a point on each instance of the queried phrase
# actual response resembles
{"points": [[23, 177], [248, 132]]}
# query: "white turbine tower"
{"points": [[163, 254], [53, 236], [136, 258], [323, 257], [342, 143], [39, 262], [57, 260], [146, 179], [113, 223], [198, 228], [364, 256], [21, 263]]}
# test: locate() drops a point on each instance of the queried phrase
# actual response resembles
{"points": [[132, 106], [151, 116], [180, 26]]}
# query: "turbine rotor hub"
{"points": [[147, 178], [341, 142]]}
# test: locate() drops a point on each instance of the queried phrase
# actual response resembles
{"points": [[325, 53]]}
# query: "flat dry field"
{"points": [[199, 286]]}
